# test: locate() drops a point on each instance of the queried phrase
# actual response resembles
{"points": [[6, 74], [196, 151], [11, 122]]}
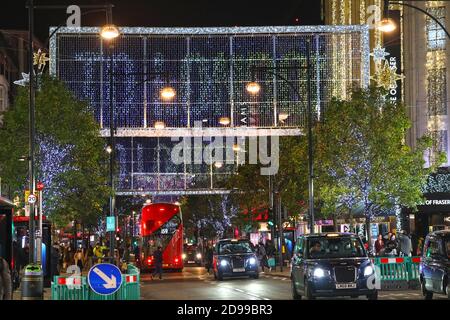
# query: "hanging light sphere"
{"points": [[236, 147], [282, 116], [218, 165], [253, 87], [109, 149], [109, 32], [224, 121], [168, 93], [160, 125]]}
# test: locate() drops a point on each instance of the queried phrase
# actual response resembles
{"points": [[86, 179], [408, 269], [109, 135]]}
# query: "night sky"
{"points": [[169, 13]]}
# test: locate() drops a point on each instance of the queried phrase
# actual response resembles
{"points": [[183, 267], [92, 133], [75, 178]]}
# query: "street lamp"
{"points": [[388, 25], [32, 121], [254, 88], [109, 33]]}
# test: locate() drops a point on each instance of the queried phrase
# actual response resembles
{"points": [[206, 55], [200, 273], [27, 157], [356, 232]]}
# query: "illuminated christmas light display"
{"points": [[208, 68]]}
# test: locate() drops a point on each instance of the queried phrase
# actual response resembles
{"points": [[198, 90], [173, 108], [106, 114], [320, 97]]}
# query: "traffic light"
{"points": [[270, 220]]}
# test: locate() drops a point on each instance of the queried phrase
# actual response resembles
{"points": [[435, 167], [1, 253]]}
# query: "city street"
{"points": [[195, 284]]}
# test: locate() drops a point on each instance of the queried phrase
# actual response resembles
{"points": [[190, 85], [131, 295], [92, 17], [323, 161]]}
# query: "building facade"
{"points": [[422, 48]]}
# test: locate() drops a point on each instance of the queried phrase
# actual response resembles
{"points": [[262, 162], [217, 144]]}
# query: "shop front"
{"points": [[432, 215]]}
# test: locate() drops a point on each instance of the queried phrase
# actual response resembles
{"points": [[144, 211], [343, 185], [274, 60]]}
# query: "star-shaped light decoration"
{"points": [[24, 81], [386, 76], [40, 59], [379, 54]]}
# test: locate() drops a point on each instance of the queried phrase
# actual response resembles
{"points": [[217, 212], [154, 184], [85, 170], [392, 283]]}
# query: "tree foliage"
{"points": [[364, 160], [70, 157]]}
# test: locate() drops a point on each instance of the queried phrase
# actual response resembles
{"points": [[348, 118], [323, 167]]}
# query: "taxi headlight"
{"points": [[252, 261], [319, 273], [199, 255], [368, 271], [223, 263]]}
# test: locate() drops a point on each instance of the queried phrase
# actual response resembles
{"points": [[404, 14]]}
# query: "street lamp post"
{"points": [[109, 33], [32, 122], [253, 88], [31, 177], [387, 25]]}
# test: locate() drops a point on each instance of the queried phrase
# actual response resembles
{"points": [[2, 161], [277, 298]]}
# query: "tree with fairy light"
{"points": [[70, 156], [362, 158]]}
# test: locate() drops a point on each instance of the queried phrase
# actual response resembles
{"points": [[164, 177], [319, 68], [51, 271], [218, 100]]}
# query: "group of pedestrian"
{"points": [[391, 246], [265, 253]]}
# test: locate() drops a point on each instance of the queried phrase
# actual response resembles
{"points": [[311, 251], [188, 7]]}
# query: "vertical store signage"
{"points": [[392, 43]]}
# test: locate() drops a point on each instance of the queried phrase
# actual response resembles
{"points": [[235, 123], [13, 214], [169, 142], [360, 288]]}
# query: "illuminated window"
{"points": [[441, 142], [437, 92], [435, 34]]}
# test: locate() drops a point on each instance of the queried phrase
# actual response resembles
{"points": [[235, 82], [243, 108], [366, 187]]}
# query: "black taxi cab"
{"points": [[434, 267], [332, 264], [234, 258]]}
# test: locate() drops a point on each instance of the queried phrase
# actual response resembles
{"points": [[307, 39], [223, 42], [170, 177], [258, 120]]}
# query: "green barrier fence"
{"points": [[398, 268], [77, 288]]}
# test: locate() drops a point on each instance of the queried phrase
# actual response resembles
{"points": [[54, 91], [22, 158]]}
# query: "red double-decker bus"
{"points": [[161, 225]]}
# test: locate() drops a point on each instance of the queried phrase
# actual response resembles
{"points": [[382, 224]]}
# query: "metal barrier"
{"points": [[77, 288], [398, 273]]}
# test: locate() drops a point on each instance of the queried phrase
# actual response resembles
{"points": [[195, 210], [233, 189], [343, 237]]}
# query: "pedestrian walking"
{"points": [[89, 257], [54, 260], [158, 260], [209, 258], [98, 252], [5, 281], [270, 253], [391, 246], [379, 246], [78, 258], [262, 255], [405, 244]]}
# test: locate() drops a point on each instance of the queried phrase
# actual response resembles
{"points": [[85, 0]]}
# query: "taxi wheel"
{"points": [[295, 294], [308, 294], [255, 276], [426, 294], [219, 276]]}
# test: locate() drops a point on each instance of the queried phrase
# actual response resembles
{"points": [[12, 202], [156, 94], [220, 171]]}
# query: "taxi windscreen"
{"points": [[339, 247], [231, 247]]}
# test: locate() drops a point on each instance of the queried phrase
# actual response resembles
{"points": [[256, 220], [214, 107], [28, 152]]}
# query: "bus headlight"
{"points": [[368, 271], [199, 255]]}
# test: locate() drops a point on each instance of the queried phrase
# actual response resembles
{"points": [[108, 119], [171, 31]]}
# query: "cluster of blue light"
{"points": [[209, 70]]}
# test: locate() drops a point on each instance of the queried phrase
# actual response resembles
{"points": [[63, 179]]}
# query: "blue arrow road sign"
{"points": [[104, 278]]}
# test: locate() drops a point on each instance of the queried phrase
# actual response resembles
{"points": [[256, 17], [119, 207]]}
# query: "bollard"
{"points": [[32, 285]]}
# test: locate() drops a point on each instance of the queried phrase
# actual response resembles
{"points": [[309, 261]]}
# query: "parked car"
{"points": [[434, 266], [234, 258], [332, 264]]}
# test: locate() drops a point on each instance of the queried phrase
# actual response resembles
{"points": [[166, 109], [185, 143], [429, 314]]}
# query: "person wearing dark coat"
{"points": [[158, 262], [5, 281]]}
